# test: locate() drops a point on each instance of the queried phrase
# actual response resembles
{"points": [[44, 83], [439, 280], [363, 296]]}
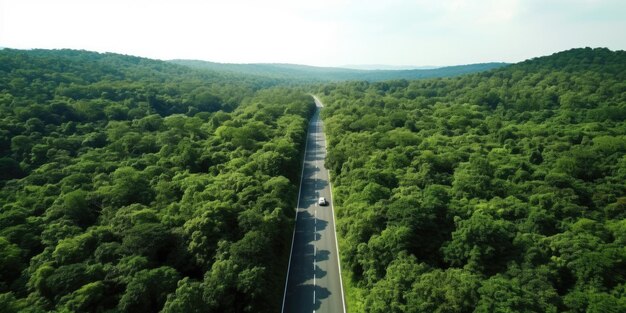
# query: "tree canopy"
{"points": [[501, 191], [130, 184], [135, 185]]}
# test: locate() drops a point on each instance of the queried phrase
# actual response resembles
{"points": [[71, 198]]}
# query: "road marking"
{"points": [[316, 136]]}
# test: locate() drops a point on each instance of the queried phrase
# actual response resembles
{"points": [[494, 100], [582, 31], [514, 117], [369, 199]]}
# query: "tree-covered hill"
{"points": [[134, 185], [502, 191], [130, 184], [308, 74]]}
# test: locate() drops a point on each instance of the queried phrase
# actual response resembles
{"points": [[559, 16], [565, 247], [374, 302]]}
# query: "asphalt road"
{"points": [[313, 279]]}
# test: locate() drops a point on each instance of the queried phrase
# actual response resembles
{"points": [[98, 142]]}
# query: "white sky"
{"points": [[317, 32]]}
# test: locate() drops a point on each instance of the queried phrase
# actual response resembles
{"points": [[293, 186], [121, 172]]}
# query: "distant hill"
{"points": [[313, 73], [600, 60], [387, 67]]}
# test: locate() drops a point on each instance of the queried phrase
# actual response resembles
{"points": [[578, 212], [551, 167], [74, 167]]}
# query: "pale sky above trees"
{"points": [[321, 32]]}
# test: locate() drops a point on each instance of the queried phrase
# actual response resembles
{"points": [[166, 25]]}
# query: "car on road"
{"points": [[322, 201]]}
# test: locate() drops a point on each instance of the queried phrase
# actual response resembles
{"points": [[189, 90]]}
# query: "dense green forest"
{"points": [[501, 191], [303, 74], [134, 185]]}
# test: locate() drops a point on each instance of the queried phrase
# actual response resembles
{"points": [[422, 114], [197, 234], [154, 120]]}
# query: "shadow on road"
{"points": [[319, 153], [307, 223], [307, 305], [307, 264], [304, 251], [319, 272], [322, 255]]}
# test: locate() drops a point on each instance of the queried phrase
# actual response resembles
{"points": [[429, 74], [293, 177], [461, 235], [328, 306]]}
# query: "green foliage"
{"points": [[148, 290], [9, 303], [137, 185], [188, 298], [501, 191], [390, 293], [86, 299], [452, 290], [480, 243], [525, 291], [9, 168], [9, 262], [133, 185]]}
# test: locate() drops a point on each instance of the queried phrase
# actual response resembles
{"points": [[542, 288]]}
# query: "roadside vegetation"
{"points": [[501, 191], [132, 185], [135, 185]]}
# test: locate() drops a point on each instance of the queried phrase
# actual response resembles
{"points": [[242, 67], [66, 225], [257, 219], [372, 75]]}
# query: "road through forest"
{"points": [[314, 279]]}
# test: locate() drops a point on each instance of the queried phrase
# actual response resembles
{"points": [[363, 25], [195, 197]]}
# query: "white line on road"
{"points": [[317, 137]]}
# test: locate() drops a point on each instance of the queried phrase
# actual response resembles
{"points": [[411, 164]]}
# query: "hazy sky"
{"points": [[317, 32]]}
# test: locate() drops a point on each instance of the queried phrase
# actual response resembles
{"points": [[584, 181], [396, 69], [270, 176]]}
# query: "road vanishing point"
{"points": [[313, 281]]}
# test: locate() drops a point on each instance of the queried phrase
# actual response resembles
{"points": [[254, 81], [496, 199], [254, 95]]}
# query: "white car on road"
{"points": [[322, 201]]}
